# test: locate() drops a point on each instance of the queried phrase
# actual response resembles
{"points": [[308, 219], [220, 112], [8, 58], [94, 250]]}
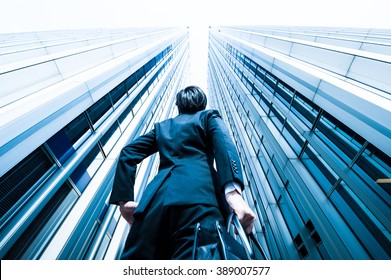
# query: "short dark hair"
{"points": [[191, 100]]}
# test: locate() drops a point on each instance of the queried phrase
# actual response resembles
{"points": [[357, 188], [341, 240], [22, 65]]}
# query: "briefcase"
{"points": [[218, 243]]}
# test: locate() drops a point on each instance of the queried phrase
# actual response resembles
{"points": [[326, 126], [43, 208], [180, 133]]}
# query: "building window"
{"points": [[38, 234], [111, 137], [293, 137], [284, 93], [64, 143], [99, 109], [130, 82], [304, 110], [250, 65], [270, 82], [117, 93], [82, 175], [374, 167], [23, 179], [301, 249], [339, 138], [319, 169], [362, 222], [313, 233], [276, 117]]}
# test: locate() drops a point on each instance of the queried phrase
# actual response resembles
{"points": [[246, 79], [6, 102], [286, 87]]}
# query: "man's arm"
{"points": [[239, 206], [122, 192], [229, 170]]}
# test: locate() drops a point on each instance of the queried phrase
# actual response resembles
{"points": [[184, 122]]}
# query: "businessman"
{"points": [[199, 181]]}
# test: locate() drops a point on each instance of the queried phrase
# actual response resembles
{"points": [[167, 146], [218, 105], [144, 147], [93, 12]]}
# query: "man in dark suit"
{"points": [[187, 189]]}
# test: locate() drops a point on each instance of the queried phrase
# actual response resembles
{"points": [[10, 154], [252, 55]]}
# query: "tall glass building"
{"points": [[70, 100], [309, 110]]}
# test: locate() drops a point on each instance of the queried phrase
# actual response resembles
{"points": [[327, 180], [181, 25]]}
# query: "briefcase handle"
{"points": [[233, 218]]}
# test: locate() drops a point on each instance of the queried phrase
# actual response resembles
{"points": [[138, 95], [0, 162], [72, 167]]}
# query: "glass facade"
{"points": [[54, 200], [316, 176]]}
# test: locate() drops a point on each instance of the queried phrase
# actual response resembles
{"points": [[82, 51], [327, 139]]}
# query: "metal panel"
{"points": [[66, 46], [372, 72], [330, 60], [335, 41], [123, 47], [18, 82], [377, 48], [19, 55], [71, 65], [278, 45]]}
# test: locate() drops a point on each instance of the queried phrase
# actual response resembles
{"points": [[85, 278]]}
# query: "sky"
{"points": [[38, 15], [33, 15]]}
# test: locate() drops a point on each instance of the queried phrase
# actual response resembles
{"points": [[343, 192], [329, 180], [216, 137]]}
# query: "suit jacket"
{"points": [[187, 145]]}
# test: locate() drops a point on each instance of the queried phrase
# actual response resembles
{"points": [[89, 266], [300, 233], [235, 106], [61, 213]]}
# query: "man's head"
{"points": [[191, 100]]}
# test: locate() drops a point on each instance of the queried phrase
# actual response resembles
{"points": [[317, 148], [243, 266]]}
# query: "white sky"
{"points": [[37, 15], [22, 15]]}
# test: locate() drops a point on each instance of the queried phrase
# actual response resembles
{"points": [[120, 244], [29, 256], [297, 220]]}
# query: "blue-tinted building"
{"points": [[310, 111], [69, 101]]}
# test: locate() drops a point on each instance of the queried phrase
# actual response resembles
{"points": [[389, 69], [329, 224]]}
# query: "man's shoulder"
{"points": [[210, 113], [200, 115]]}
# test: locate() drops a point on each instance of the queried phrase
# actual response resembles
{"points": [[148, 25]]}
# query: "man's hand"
{"points": [[127, 210], [242, 210]]}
